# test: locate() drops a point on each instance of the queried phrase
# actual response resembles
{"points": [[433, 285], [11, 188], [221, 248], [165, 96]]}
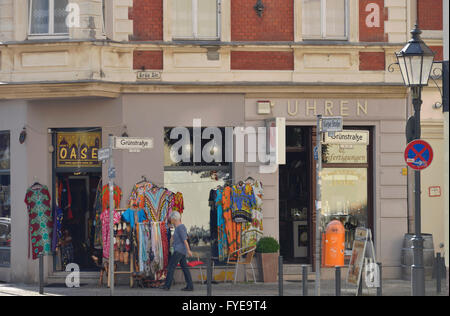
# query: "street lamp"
{"points": [[415, 61]]}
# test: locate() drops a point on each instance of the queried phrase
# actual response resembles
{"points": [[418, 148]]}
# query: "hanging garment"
{"points": [[157, 263], [105, 196], [137, 196], [65, 198], [178, 203], [165, 247], [243, 201], [213, 223], [144, 248], [58, 217], [130, 216], [97, 221], [233, 233], [222, 245], [40, 221], [155, 203], [105, 230]]}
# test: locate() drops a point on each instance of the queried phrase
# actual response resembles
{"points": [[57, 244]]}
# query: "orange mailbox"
{"points": [[334, 244]]}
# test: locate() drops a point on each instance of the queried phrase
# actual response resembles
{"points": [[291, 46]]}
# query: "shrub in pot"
{"points": [[267, 250]]}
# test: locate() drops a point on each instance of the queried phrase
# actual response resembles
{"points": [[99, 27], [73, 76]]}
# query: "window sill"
{"points": [[48, 36]]}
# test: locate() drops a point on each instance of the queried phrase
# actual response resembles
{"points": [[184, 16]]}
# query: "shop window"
{"points": [[196, 19], [5, 200], [195, 180], [324, 19], [48, 17], [345, 186]]}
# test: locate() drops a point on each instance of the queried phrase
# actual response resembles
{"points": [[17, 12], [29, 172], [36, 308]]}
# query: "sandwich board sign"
{"points": [[363, 256]]}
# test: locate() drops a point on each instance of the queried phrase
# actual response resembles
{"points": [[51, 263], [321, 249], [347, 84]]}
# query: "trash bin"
{"points": [[334, 244]]}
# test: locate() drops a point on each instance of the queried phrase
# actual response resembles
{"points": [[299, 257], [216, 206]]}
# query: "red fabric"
{"points": [[194, 263]]}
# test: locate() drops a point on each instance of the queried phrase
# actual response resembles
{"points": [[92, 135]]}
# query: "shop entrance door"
{"points": [[295, 196], [78, 193]]}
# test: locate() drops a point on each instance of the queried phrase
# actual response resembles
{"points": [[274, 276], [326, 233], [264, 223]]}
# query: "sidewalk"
{"points": [[390, 288]]}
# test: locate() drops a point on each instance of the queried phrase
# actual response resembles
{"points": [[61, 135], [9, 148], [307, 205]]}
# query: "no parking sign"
{"points": [[418, 154]]}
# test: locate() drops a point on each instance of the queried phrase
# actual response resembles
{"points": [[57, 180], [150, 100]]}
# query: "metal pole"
{"points": [[338, 281], [380, 289], [418, 270], [438, 273], [305, 280], [318, 202], [280, 276], [41, 274], [111, 176], [209, 278]]}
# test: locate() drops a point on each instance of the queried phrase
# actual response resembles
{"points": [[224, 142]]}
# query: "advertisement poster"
{"points": [[78, 149]]}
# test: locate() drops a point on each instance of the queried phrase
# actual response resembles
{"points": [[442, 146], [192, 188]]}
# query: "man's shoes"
{"points": [[165, 288], [188, 289]]}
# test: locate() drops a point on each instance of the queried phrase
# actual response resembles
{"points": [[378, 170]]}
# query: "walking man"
{"points": [[180, 251]]}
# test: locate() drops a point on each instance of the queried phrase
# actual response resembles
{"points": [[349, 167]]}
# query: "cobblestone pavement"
{"points": [[390, 288]]}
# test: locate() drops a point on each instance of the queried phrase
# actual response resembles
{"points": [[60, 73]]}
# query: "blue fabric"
{"points": [[179, 236], [128, 216]]}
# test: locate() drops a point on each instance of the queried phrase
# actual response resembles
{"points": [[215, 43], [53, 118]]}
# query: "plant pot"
{"points": [[268, 265]]}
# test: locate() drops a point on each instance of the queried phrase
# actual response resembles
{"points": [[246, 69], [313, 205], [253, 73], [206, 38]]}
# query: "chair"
{"points": [[244, 257]]}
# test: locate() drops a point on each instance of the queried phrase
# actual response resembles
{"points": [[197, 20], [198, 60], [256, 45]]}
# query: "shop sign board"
{"points": [[345, 153], [418, 154], [332, 124], [78, 149], [133, 143], [350, 137]]}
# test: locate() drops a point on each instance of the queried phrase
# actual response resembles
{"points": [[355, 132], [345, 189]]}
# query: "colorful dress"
{"points": [[232, 229], [40, 221], [243, 201], [178, 203], [222, 244], [105, 196], [105, 230]]}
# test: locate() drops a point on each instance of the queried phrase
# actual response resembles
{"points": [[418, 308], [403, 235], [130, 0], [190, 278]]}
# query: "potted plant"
{"points": [[267, 250]]}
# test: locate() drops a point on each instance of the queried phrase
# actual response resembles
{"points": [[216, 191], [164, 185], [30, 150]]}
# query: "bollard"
{"points": [[438, 273], [41, 274], [380, 288], [209, 277], [305, 280], [280, 276], [338, 280]]}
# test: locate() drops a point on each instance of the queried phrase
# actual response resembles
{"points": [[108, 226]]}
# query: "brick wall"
{"points": [[372, 15], [439, 52], [241, 60], [372, 61], [429, 14], [276, 23], [152, 60], [147, 16]]}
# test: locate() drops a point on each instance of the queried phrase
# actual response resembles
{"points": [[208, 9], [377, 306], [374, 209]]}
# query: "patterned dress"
{"points": [[105, 230], [40, 220], [221, 232]]}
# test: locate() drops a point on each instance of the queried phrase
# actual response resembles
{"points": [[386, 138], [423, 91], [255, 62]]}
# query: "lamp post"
{"points": [[415, 61]]}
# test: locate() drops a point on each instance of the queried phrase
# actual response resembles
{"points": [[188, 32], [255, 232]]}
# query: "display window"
{"points": [[195, 180], [346, 179]]}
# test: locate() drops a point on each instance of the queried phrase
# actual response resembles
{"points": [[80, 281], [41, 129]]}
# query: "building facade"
{"points": [[143, 67]]}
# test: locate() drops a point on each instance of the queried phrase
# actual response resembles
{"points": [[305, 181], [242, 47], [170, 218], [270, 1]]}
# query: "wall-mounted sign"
{"points": [[348, 137], [434, 191], [149, 75], [332, 124], [78, 149], [133, 143], [418, 154]]}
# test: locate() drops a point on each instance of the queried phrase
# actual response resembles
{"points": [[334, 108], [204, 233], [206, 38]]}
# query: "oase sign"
{"points": [[133, 143], [348, 137]]}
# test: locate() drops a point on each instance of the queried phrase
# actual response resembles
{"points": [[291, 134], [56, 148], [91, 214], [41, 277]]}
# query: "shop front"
{"points": [[363, 180]]}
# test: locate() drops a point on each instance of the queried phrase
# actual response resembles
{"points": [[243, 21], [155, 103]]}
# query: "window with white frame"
{"points": [[48, 17], [324, 19], [196, 19]]}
